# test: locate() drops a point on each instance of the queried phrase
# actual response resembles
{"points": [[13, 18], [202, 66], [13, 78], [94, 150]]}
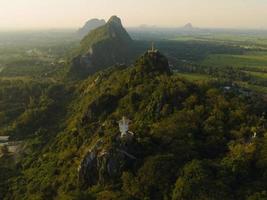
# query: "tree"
{"points": [[197, 182], [153, 180]]}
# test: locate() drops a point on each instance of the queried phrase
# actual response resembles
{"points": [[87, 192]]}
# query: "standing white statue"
{"points": [[124, 126], [254, 135]]}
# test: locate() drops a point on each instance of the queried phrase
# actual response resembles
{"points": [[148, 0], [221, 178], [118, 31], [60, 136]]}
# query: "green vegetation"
{"points": [[251, 61], [199, 127], [191, 141], [195, 77], [246, 67], [35, 55], [15, 95], [247, 40], [258, 74]]}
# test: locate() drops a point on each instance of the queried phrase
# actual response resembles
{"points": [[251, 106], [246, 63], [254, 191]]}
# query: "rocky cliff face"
{"points": [[104, 164]]}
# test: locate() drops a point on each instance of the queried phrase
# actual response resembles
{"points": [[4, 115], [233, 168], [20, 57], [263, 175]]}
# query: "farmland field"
{"points": [[253, 61], [248, 68], [34, 54], [194, 76], [258, 74], [247, 40]]}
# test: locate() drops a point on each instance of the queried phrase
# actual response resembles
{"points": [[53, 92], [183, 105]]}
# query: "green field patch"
{"points": [[261, 75], [16, 78], [256, 88], [245, 40], [258, 62], [194, 76]]}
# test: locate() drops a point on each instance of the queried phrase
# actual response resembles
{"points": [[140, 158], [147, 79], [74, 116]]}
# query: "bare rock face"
{"points": [[103, 164]]}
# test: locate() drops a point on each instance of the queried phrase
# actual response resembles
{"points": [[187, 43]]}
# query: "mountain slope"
{"points": [[188, 26], [90, 25], [101, 48], [189, 141]]}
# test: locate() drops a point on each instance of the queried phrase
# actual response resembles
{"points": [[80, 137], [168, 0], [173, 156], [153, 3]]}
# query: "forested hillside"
{"points": [[188, 141]]}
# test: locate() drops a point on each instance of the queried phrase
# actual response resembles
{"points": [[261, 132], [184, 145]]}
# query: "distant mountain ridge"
{"points": [[188, 26], [90, 25]]}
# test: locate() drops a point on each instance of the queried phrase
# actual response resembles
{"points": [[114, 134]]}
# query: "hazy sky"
{"points": [[26, 14]]}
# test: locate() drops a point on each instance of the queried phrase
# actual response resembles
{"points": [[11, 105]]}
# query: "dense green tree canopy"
{"points": [[190, 141]]}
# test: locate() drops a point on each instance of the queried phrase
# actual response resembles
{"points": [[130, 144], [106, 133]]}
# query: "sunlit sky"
{"points": [[36, 14]]}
